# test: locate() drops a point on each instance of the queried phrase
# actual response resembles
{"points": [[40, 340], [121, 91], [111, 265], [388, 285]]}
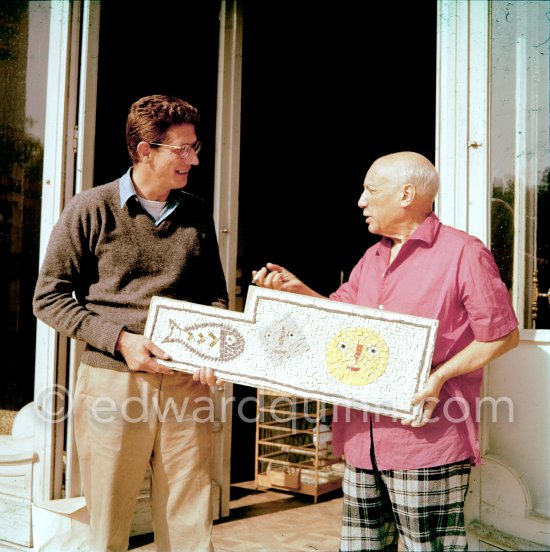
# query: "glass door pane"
{"points": [[520, 154], [24, 31]]}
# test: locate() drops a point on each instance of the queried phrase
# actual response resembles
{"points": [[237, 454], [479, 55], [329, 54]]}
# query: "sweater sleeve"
{"points": [[68, 265]]}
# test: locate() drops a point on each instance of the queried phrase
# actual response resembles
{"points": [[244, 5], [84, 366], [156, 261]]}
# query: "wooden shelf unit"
{"points": [[293, 446]]}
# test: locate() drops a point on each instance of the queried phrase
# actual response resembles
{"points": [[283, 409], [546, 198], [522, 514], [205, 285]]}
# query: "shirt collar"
{"points": [[127, 191], [126, 187], [426, 232]]}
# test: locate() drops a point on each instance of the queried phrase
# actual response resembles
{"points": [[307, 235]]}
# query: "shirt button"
{"points": [[381, 307]]}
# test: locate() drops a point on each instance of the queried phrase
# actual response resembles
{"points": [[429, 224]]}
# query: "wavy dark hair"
{"points": [[151, 117]]}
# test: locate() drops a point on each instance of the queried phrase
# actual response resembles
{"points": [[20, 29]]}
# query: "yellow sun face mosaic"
{"points": [[357, 356]]}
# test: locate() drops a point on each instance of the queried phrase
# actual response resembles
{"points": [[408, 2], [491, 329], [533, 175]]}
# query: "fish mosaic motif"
{"points": [[212, 341]]}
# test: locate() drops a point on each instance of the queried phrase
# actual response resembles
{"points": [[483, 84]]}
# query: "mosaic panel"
{"points": [[343, 354]]}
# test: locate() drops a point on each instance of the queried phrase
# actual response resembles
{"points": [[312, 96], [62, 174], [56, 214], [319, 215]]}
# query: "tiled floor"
{"points": [[272, 521], [6, 421]]}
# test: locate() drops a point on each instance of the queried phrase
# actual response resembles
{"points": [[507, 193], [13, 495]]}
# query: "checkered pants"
{"points": [[426, 507]]}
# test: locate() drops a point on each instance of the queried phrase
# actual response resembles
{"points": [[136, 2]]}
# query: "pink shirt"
{"points": [[442, 273]]}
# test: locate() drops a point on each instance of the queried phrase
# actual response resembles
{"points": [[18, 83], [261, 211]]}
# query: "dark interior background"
{"points": [[171, 50], [325, 92]]}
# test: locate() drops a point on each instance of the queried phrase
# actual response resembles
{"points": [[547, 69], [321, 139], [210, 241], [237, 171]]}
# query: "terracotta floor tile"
{"points": [[272, 521]]}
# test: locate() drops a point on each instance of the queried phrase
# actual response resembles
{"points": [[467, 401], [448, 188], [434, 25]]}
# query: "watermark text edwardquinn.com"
{"points": [[54, 404]]}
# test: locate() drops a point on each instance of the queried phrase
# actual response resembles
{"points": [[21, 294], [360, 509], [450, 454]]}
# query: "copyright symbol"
{"points": [[49, 404]]}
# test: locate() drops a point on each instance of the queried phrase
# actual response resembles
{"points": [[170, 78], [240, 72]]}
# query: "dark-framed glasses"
{"points": [[181, 151]]}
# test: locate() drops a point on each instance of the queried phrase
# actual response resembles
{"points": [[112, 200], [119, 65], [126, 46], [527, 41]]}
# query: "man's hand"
{"points": [[141, 353], [472, 357], [206, 376], [428, 398], [274, 276]]}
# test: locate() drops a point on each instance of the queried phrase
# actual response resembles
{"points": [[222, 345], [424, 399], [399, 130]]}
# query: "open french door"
{"points": [[494, 161], [68, 169]]}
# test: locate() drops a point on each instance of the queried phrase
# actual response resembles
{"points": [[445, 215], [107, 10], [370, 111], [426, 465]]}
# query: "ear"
{"points": [[144, 151], [408, 193]]}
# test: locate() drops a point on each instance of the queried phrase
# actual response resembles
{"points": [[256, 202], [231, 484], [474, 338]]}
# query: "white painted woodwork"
{"points": [[50, 351], [17, 458], [451, 157], [462, 131], [228, 132], [226, 214], [508, 506], [83, 180]]}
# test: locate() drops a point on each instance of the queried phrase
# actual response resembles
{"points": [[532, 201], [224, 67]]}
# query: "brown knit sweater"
{"points": [[104, 262]]}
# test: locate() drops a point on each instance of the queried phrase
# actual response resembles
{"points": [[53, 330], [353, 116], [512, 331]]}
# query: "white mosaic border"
{"points": [[244, 347]]}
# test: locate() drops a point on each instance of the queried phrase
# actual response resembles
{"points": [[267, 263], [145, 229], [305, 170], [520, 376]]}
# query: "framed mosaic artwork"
{"points": [[320, 349]]}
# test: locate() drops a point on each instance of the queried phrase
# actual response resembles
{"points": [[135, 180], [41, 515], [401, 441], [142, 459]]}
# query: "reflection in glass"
{"points": [[24, 29], [520, 153]]}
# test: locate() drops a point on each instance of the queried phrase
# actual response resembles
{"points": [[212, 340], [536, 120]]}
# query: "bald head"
{"points": [[408, 167]]}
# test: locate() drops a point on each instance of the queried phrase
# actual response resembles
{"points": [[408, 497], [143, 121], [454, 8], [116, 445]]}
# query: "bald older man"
{"points": [[410, 480]]}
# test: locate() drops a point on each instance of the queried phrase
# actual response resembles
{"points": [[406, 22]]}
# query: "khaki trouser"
{"points": [[123, 422]]}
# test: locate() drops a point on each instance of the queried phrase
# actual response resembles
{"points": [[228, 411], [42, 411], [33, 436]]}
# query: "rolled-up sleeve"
{"points": [[484, 294]]}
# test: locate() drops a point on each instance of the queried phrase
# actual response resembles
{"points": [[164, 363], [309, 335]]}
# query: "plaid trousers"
{"points": [[425, 506]]}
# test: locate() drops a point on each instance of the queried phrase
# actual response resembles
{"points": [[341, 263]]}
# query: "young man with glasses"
{"points": [[400, 480], [114, 247]]}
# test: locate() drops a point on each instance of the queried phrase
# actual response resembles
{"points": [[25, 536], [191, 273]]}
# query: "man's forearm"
{"points": [[476, 355]]}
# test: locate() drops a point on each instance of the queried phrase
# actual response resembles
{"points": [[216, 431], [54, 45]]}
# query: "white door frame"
{"points": [[462, 127], [51, 350], [84, 148], [66, 100], [226, 211], [499, 510]]}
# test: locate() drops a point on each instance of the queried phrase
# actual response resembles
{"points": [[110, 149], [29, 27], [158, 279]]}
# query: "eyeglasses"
{"points": [[181, 151]]}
